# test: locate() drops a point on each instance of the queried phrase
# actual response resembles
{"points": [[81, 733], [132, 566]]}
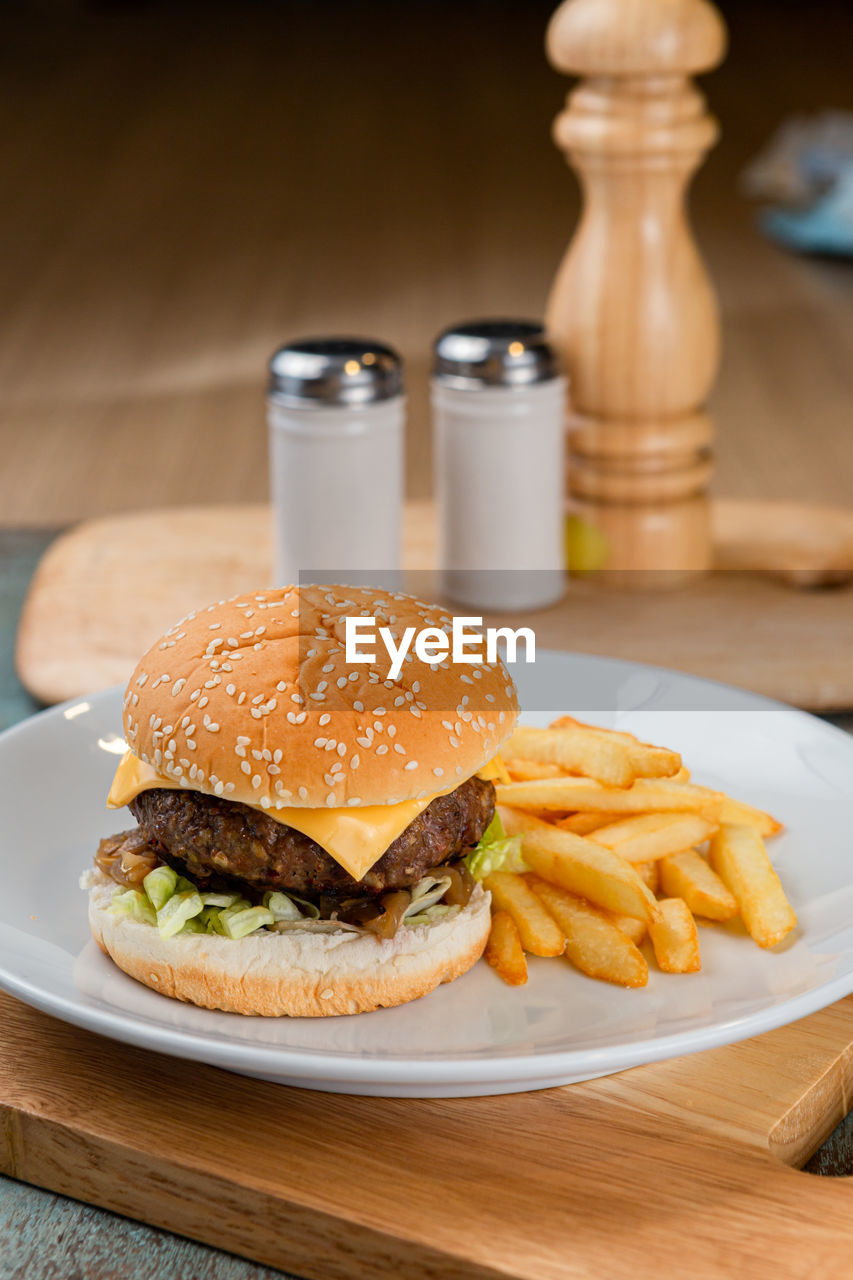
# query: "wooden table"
{"points": [[191, 187]]}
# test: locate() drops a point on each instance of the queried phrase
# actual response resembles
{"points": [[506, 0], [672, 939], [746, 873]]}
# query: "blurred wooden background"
{"points": [[185, 185]]}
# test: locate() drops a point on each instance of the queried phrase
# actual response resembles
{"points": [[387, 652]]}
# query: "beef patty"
{"points": [[210, 839]]}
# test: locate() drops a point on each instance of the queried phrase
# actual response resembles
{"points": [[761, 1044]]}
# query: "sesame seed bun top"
{"points": [[252, 699]]}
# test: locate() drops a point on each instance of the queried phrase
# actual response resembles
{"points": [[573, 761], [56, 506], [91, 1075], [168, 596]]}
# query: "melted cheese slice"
{"points": [[356, 838]]}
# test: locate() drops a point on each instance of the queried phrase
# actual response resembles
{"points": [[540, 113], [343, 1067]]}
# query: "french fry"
{"points": [[636, 930], [687, 875], [654, 835], [576, 751], [526, 770], [504, 952], [594, 942], [647, 795], [738, 856], [538, 932], [583, 823], [649, 874], [575, 863], [683, 775], [675, 937], [646, 761], [736, 813]]}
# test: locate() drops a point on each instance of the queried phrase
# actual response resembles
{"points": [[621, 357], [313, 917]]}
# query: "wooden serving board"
{"points": [[682, 1168], [108, 588]]}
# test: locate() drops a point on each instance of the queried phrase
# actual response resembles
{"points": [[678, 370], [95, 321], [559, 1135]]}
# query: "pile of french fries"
{"points": [[625, 855]]}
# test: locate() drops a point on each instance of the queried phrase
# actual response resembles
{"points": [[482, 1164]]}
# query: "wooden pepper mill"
{"points": [[632, 309]]}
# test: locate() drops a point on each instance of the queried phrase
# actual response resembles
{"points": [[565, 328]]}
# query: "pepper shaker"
{"points": [[335, 412], [499, 432]]}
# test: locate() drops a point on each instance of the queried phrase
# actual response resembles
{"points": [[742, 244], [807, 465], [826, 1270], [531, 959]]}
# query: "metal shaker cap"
{"points": [[335, 371], [494, 353]]}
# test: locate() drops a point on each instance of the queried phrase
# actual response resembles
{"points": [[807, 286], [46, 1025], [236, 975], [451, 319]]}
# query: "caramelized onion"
{"points": [[393, 909], [126, 858], [461, 886]]}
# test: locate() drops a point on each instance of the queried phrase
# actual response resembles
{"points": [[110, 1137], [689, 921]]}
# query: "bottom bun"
{"points": [[298, 974]]}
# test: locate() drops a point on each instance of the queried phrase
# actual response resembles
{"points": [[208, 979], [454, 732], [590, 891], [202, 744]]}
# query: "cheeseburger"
{"points": [[305, 826]]}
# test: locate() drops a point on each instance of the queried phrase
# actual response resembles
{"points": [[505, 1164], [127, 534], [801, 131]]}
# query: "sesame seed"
{"points": [[256, 781], [245, 766], [381, 749], [413, 764], [439, 773]]}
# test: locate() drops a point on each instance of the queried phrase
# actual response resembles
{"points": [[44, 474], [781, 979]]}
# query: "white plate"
{"points": [[476, 1036]]}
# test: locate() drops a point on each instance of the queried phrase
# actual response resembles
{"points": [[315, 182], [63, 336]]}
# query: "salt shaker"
{"points": [[499, 434], [335, 412]]}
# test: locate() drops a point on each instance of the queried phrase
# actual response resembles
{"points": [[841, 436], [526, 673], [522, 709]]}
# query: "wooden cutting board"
{"points": [[682, 1168], [107, 589]]}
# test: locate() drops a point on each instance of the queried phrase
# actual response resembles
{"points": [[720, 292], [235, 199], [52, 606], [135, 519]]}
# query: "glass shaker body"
{"points": [[500, 477], [336, 461]]}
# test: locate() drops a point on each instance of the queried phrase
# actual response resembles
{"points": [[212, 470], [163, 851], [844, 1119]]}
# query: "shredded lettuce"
{"points": [[426, 894], [439, 911], [496, 852], [135, 903], [159, 885], [281, 907], [238, 922], [219, 899], [175, 905], [177, 910]]}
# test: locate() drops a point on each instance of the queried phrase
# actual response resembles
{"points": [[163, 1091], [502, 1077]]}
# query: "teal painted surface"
{"points": [[19, 554], [49, 1237]]}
